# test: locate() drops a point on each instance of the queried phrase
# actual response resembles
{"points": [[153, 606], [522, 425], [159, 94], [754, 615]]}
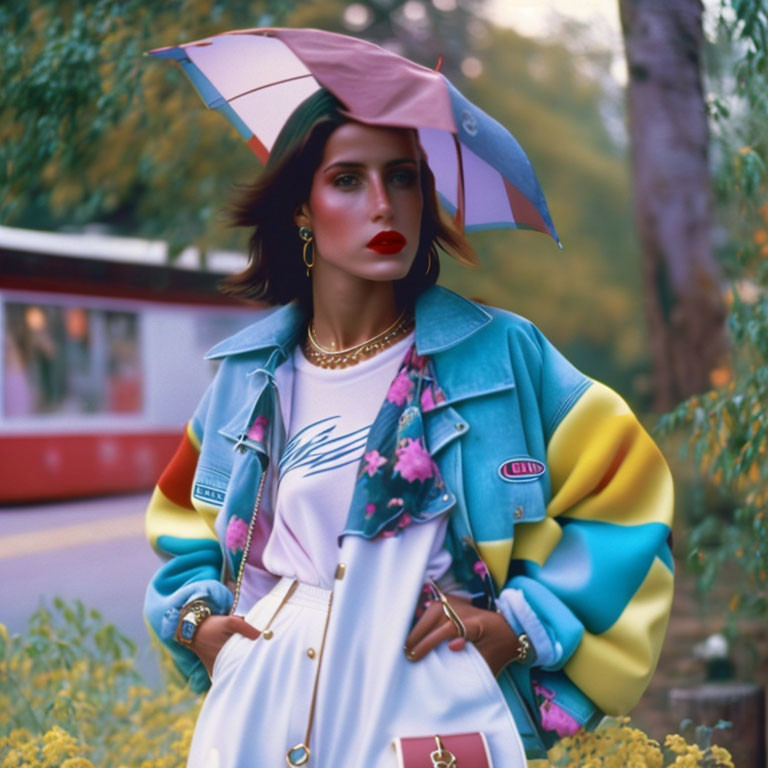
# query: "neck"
{"points": [[352, 314]]}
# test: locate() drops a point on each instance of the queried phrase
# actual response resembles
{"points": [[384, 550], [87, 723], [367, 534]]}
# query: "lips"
{"points": [[387, 242]]}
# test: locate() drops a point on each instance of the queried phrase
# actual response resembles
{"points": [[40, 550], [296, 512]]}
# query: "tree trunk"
{"points": [[673, 207]]}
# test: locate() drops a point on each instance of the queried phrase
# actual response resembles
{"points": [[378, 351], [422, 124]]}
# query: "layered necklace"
{"points": [[343, 358]]}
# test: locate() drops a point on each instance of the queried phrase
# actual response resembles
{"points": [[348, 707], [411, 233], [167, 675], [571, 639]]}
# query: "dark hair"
{"points": [[275, 272]]}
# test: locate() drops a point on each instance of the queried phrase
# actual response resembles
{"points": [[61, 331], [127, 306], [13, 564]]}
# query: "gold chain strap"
{"points": [[247, 547], [299, 755]]}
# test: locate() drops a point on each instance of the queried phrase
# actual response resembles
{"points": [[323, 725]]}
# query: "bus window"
{"points": [[70, 360]]}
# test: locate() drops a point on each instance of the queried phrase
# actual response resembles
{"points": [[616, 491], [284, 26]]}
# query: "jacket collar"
{"points": [[443, 319], [279, 328]]}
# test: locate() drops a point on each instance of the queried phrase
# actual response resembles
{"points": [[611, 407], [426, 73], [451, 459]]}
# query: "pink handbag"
{"points": [[459, 750]]}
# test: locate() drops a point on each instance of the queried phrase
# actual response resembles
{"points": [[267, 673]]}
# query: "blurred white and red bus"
{"points": [[102, 360]]}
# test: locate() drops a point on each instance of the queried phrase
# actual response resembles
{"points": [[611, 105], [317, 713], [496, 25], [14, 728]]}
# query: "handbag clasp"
{"points": [[441, 757]]}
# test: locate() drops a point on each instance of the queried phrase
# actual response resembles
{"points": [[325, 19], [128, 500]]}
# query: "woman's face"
{"points": [[365, 204]]}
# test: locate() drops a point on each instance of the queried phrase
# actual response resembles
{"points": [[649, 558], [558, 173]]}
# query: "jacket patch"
{"points": [[207, 493], [521, 469]]}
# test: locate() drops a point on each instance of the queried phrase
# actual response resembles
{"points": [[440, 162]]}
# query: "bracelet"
{"points": [[192, 615], [524, 650]]}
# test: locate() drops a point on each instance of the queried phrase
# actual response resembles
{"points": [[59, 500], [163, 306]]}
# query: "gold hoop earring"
{"points": [[306, 235], [429, 261]]}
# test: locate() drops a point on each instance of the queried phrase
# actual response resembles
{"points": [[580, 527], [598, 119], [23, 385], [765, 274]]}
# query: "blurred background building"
{"points": [[102, 365]]}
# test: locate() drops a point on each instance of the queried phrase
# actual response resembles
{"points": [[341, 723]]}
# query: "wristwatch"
{"points": [[192, 616]]}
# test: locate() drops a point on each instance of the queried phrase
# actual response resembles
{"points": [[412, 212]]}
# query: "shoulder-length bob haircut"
{"points": [[276, 273]]}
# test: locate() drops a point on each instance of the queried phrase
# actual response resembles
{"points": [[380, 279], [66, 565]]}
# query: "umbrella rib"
{"points": [[269, 85], [460, 201]]}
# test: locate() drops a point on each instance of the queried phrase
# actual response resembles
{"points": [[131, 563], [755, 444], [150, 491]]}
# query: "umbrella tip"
{"points": [[439, 63], [559, 244]]}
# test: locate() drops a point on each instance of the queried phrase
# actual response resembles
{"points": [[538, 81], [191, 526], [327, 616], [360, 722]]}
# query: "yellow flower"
{"points": [[721, 756], [12, 759], [676, 743], [57, 746]]}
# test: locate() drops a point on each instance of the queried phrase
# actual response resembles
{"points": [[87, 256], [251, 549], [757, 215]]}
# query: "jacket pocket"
{"points": [[498, 507], [524, 500]]}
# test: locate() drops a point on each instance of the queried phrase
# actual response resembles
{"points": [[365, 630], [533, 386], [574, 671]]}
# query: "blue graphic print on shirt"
{"points": [[315, 447]]}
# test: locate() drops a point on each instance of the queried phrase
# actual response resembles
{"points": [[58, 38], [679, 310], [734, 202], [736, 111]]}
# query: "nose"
{"points": [[381, 204]]}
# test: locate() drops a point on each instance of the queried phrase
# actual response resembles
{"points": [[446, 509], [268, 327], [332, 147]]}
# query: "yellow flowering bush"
{"points": [[616, 744], [70, 697]]}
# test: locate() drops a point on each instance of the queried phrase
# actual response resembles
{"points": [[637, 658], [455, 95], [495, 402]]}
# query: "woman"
{"points": [[397, 513]]}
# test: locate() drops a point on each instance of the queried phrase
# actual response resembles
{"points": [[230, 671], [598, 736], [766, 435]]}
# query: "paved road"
{"points": [[93, 549]]}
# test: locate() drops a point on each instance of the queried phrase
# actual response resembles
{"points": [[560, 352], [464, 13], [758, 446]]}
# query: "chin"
{"points": [[387, 274], [389, 269]]}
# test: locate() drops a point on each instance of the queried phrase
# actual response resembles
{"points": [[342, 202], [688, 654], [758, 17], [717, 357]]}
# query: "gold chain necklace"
{"points": [[343, 358]]}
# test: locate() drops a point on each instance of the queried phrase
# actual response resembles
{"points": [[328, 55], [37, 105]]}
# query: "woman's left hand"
{"points": [[488, 630]]}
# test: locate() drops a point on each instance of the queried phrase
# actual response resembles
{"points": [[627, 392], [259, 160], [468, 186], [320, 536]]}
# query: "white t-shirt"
{"points": [[331, 413]]}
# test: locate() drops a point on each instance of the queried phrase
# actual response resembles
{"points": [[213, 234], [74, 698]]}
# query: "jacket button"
{"points": [[459, 427], [311, 653], [446, 497], [519, 513]]}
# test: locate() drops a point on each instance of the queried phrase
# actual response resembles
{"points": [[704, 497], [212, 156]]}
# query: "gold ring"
{"points": [[449, 611]]}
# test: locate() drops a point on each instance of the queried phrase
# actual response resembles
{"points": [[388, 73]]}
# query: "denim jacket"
{"points": [[552, 486]]}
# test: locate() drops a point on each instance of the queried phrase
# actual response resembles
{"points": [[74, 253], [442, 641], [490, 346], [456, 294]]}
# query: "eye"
{"points": [[345, 180], [404, 177]]}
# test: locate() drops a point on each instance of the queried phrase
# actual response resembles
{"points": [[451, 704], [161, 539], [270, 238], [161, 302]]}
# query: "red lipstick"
{"points": [[387, 242]]}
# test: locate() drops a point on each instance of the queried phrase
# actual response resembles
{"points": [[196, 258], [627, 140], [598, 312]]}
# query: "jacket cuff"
{"points": [[523, 619], [560, 624], [162, 613]]}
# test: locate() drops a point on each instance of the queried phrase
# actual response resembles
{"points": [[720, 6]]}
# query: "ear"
{"points": [[301, 216]]}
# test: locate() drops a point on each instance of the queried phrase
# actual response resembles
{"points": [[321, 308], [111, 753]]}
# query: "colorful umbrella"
{"points": [[257, 77]]}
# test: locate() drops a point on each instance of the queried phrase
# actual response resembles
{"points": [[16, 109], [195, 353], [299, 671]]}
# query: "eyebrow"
{"points": [[354, 164]]}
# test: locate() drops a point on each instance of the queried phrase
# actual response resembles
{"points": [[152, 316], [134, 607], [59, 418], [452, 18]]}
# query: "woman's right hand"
{"points": [[214, 632]]}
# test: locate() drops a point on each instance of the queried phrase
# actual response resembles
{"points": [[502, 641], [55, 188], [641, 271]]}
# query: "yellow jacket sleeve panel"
{"points": [[604, 466]]}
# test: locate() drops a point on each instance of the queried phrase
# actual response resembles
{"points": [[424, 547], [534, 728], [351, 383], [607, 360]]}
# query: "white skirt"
{"points": [[368, 692]]}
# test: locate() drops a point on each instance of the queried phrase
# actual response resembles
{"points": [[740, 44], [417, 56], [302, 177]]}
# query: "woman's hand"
{"points": [[488, 630], [214, 632]]}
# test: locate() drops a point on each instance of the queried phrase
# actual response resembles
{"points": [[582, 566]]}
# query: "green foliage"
{"points": [[92, 130], [71, 697], [727, 428], [616, 744]]}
